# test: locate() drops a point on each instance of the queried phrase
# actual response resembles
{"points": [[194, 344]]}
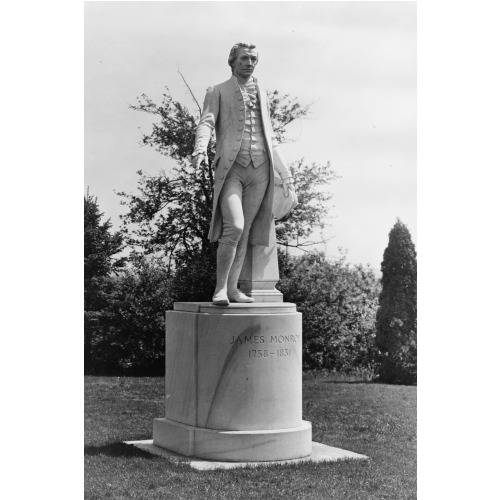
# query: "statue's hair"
{"points": [[236, 48]]}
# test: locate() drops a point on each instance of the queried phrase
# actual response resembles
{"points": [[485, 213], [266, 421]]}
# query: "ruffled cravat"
{"points": [[249, 91]]}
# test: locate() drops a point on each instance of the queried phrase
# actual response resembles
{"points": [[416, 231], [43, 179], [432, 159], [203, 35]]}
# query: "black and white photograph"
{"points": [[259, 178], [250, 210]]}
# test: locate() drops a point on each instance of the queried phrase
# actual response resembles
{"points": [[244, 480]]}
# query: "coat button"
{"points": [[242, 108], [231, 158], [221, 176], [241, 118]]}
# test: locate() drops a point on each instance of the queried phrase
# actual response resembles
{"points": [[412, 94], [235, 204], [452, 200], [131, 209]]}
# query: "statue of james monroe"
{"points": [[247, 154]]}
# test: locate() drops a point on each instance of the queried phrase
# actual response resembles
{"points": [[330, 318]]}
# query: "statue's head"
{"points": [[243, 58]]}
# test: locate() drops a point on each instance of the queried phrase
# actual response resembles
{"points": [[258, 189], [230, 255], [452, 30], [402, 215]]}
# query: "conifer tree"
{"points": [[397, 314], [101, 261]]}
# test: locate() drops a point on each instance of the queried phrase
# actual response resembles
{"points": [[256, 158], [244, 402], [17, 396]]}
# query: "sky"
{"points": [[355, 62]]}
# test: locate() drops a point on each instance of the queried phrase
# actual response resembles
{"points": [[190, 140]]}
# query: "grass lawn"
{"points": [[372, 419]]}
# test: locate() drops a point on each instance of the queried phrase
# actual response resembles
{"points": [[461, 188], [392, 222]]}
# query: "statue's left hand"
{"points": [[288, 184]]}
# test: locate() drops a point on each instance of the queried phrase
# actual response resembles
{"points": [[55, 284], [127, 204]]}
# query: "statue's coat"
{"points": [[224, 110]]}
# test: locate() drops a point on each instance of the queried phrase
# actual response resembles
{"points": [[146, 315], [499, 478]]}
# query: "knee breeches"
{"points": [[240, 200]]}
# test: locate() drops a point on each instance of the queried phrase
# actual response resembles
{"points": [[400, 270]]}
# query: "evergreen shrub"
{"points": [[338, 303], [397, 315]]}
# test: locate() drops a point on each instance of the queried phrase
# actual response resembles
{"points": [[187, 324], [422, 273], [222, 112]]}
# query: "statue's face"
{"points": [[245, 63]]}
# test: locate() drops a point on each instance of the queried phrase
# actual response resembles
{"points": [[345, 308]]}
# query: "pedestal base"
{"points": [[233, 446], [320, 453], [233, 383]]}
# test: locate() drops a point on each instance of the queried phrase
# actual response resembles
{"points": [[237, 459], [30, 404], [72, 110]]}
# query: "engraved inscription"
{"points": [[264, 353], [279, 339], [272, 343], [247, 339], [260, 339]]}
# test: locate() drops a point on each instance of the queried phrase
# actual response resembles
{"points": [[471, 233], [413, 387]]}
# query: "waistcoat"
{"points": [[253, 149]]}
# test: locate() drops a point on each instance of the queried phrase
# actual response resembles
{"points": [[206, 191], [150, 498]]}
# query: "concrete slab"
{"points": [[320, 453]]}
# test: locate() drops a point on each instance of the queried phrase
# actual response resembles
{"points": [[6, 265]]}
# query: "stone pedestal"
{"points": [[233, 383]]}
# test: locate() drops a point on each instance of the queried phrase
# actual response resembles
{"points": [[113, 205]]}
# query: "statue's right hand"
{"points": [[196, 160]]}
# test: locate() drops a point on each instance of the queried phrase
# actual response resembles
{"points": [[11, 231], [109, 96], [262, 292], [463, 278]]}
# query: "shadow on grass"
{"points": [[117, 450], [366, 382], [348, 382]]}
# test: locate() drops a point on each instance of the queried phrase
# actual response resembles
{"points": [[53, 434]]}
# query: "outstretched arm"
{"points": [[206, 125]]}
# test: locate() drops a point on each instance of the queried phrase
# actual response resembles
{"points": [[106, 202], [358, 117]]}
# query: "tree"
{"points": [[100, 245], [133, 326], [171, 214], [100, 263], [338, 303], [397, 313]]}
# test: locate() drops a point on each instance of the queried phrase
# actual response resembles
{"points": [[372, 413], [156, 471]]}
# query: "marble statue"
{"points": [[233, 374], [246, 163]]}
